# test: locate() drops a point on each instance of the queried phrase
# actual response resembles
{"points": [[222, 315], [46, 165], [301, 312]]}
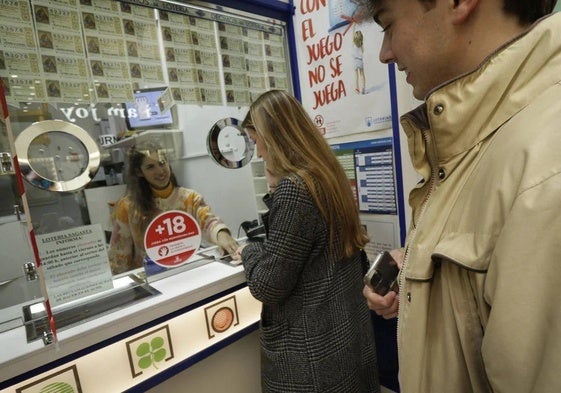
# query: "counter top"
{"points": [[178, 291]]}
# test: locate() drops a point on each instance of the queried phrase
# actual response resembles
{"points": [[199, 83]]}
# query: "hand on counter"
{"points": [[227, 244], [238, 254]]}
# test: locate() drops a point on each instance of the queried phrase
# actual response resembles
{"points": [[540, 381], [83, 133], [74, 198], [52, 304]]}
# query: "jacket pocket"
{"points": [[273, 335], [472, 251], [469, 250]]}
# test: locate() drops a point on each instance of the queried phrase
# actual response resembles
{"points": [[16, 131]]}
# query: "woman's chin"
{"points": [[160, 185]]}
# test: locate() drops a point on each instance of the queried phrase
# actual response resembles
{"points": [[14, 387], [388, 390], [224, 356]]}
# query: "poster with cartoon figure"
{"points": [[345, 88]]}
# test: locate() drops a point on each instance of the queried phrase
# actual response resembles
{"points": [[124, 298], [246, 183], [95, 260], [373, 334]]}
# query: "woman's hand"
{"points": [[227, 244], [238, 254]]}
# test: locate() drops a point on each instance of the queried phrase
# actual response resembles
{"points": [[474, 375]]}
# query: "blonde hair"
{"points": [[358, 38], [296, 147]]}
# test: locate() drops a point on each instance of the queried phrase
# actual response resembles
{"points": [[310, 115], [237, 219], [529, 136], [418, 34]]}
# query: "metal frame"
{"points": [[27, 136]]}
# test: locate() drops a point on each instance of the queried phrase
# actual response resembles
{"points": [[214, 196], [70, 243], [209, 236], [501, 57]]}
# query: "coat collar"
{"points": [[464, 111]]}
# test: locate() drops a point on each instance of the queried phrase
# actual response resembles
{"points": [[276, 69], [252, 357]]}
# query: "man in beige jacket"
{"points": [[480, 283]]}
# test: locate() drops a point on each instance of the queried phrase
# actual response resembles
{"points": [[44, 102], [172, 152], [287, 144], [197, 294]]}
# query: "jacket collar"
{"points": [[464, 111]]}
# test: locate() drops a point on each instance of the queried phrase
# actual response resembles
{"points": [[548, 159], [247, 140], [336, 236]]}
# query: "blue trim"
{"points": [[292, 56], [188, 362], [83, 352], [397, 154], [269, 8], [363, 144]]}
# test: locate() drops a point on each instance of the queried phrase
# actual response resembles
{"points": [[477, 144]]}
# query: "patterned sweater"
{"points": [[126, 248]]}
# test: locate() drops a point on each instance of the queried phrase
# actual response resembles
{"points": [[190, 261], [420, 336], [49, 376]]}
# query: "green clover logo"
{"points": [[151, 353], [57, 387]]}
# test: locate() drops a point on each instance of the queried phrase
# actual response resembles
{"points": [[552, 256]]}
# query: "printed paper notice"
{"points": [[74, 263]]}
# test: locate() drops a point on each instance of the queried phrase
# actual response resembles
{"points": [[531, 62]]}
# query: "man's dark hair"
{"points": [[528, 11]]}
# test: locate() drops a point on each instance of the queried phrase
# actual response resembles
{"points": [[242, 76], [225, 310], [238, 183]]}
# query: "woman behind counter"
{"points": [[316, 330], [152, 189]]}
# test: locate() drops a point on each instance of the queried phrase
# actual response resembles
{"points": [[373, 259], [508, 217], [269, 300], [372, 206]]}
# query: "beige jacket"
{"points": [[480, 291]]}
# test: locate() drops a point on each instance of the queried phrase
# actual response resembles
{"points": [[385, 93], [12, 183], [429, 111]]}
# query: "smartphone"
{"points": [[382, 274]]}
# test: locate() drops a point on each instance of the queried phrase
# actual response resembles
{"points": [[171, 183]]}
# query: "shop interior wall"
{"points": [[228, 191]]}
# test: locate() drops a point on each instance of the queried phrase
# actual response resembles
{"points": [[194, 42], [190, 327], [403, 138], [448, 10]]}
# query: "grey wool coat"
{"points": [[316, 330]]}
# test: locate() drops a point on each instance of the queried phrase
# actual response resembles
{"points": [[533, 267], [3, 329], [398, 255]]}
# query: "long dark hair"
{"points": [[143, 205]]}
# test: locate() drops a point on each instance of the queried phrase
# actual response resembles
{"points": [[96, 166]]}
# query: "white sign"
{"points": [[345, 89], [74, 263]]}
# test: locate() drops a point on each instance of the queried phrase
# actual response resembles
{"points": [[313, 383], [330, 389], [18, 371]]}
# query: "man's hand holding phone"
{"points": [[382, 278]]}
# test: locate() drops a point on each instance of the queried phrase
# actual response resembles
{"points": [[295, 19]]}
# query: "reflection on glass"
{"points": [[17, 285], [71, 92], [152, 188]]}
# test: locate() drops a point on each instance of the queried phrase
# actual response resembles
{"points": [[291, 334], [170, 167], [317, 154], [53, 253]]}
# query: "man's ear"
{"points": [[463, 9]]}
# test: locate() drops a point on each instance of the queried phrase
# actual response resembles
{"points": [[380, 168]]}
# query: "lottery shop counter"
{"points": [[169, 325]]}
